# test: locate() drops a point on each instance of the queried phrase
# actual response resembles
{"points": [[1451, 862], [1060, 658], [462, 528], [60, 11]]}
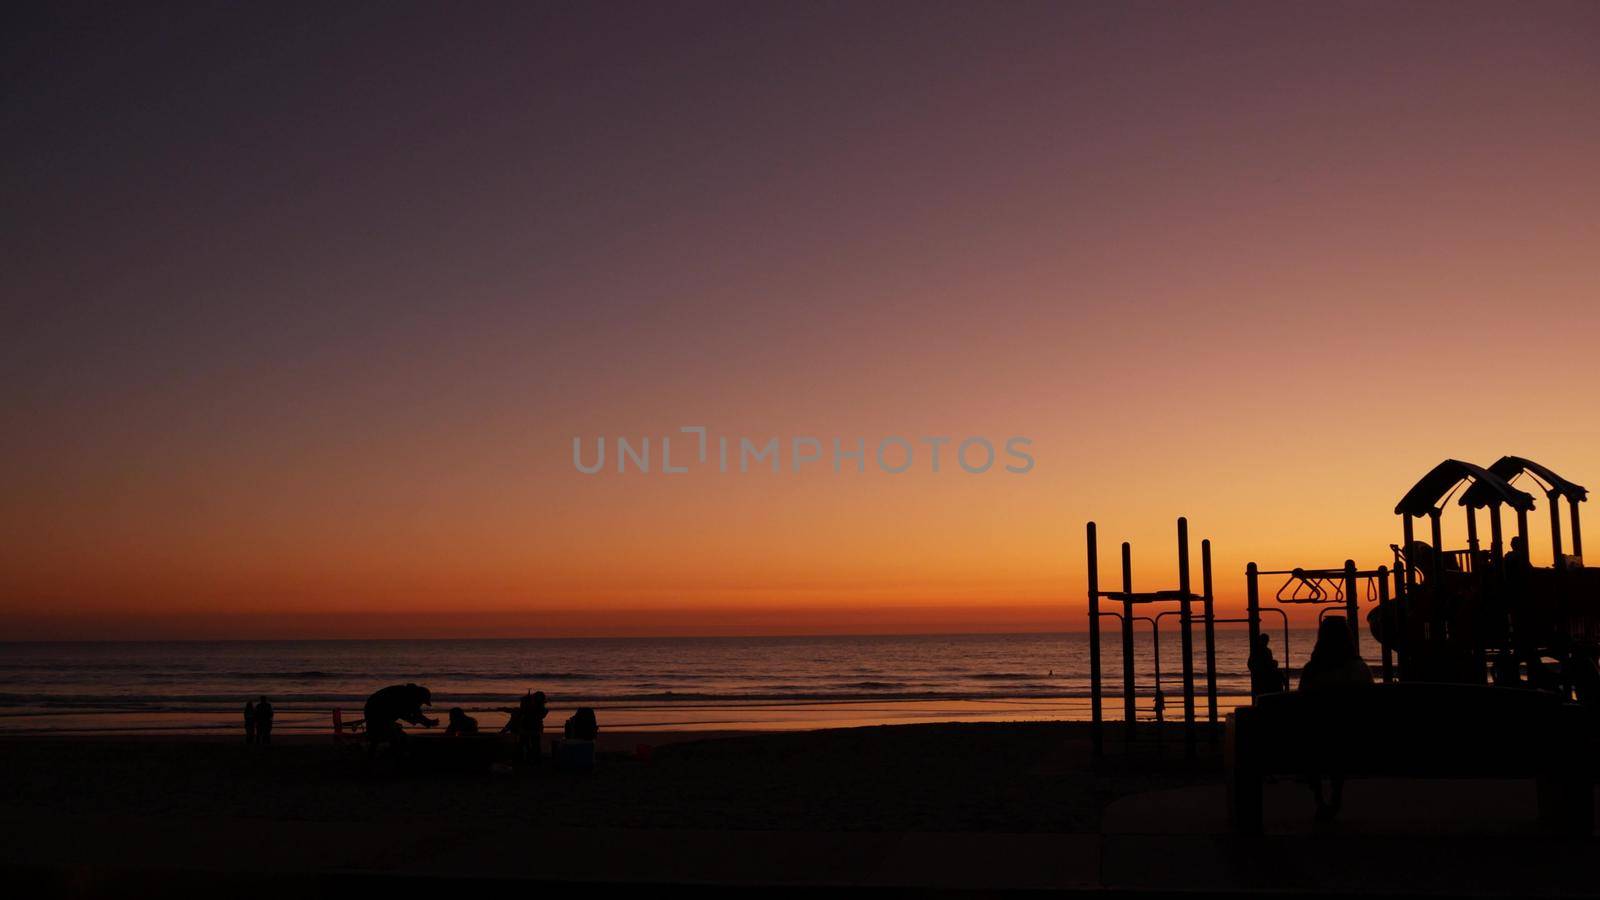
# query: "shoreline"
{"points": [[619, 741], [653, 718]]}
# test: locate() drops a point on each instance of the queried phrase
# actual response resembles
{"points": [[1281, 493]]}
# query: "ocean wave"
{"points": [[178, 672], [12, 704]]}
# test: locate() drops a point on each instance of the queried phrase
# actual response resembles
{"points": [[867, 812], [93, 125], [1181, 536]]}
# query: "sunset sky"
{"points": [[304, 306]]}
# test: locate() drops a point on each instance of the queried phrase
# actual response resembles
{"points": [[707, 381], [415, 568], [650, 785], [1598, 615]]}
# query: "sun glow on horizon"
{"points": [[1262, 270]]}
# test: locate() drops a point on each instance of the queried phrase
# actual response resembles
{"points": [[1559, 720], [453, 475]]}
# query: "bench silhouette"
{"points": [[1415, 730]]}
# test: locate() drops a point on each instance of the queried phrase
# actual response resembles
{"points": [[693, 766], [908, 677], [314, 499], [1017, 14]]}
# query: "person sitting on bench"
{"points": [[1334, 663], [1266, 677]]}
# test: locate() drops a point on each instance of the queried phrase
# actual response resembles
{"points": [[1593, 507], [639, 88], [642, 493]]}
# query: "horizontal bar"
{"points": [[1319, 573], [1164, 595]]}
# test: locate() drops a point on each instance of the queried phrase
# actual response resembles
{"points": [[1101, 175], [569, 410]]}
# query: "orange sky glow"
{"points": [[1258, 266]]}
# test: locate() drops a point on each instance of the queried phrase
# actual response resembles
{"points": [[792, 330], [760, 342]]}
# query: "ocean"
{"points": [[641, 684]]}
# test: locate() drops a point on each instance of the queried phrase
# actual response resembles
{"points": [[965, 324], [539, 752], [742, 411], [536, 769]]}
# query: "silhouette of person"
{"points": [[263, 721], [1419, 556], [1334, 661], [1265, 675], [582, 726], [1334, 664], [460, 723], [388, 707], [527, 724], [1516, 561], [249, 721]]}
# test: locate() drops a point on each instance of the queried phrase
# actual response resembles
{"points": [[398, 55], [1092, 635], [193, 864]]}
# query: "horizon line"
{"points": [[579, 637]]}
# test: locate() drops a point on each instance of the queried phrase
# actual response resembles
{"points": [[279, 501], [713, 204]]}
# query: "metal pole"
{"points": [[1437, 575], [1252, 612], [1555, 528], [1389, 619], [1497, 554], [1186, 614], [1160, 699], [1402, 639], [1129, 697], [1577, 535], [1211, 633], [1351, 607], [1527, 559], [1095, 736], [1472, 533], [1405, 547]]}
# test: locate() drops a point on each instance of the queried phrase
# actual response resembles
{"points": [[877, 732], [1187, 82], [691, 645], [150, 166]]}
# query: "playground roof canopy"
{"points": [[1435, 486], [1509, 467]]}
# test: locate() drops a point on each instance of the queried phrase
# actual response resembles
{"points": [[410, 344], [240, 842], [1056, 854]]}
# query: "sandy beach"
{"points": [[82, 807], [946, 806], [933, 777]]}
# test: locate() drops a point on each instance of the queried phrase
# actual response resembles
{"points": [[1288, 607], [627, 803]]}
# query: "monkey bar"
{"points": [[1333, 589]]}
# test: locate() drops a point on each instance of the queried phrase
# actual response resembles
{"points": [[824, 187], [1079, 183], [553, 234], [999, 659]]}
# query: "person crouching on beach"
{"points": [[1334, 663], [527, 725], [388, 707], [460, 723]]}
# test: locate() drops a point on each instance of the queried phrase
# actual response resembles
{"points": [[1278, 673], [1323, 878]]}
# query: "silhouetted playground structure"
{"points": [[1476, 615]]}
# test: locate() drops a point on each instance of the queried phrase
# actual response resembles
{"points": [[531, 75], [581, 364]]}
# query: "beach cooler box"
{"points": [[573, 756]]}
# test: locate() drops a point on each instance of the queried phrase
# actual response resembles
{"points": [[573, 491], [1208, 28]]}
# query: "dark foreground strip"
{"points": [[90, 881]]}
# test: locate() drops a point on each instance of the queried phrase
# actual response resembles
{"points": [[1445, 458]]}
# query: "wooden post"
{"points": [[1095, 736]]}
